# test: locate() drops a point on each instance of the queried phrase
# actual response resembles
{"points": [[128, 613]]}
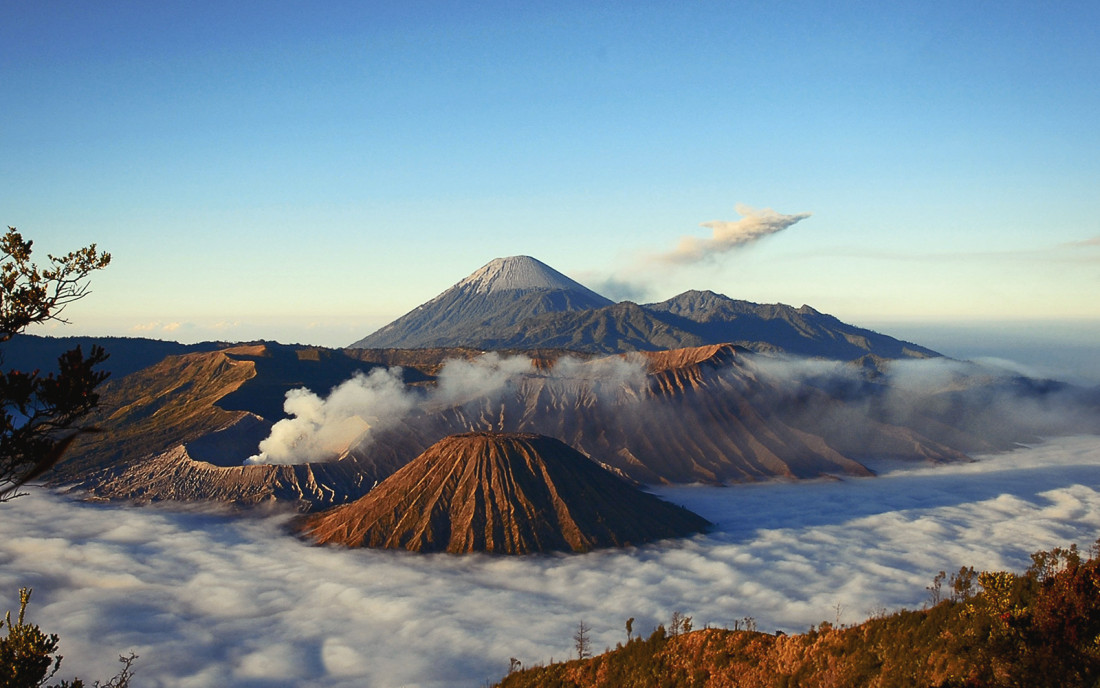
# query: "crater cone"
{"points": [[505, 493]]}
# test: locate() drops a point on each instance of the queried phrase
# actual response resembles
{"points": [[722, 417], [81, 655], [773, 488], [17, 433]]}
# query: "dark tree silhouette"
{"points": [[28, 656], [40, 414], [581, 641]]}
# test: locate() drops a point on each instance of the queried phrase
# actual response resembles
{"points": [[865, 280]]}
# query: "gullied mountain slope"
{"points": [[148, 412], [505, 494], [706, 414], [502, 293], [174, 475], [520, 303]]}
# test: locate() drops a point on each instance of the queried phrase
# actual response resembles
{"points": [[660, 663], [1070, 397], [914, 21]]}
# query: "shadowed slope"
{"points": [[714, 318], [179, 430], [693, 415], [500, 294], [521, 303], [501, 493]]}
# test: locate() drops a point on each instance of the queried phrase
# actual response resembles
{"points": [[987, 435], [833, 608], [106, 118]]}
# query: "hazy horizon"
{"points": [[1067, 350]]}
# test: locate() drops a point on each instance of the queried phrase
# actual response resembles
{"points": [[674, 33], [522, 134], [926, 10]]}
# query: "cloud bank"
{"points": [[727, 235], [206, 599]]}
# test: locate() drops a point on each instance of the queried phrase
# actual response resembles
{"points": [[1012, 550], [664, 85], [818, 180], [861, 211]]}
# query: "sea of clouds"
{"points": [[212, 599]]}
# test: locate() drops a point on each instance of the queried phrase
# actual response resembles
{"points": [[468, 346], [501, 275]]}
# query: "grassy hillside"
{"points": [[1040, 628]]}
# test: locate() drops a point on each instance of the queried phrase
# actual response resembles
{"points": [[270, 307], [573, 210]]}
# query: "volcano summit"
{"points": [[522, 304], [500, 294]]}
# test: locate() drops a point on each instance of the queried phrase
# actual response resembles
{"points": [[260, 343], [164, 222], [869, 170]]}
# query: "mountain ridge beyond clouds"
{"points": [[519, 302]]}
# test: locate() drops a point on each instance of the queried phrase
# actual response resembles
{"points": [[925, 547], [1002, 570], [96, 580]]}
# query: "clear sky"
{"points": [[309, 171]]}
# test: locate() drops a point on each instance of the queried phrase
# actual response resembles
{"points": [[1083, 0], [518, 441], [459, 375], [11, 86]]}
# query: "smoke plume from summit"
{"points": [[727, 235]]}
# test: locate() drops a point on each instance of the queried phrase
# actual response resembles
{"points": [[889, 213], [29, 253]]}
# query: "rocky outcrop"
{"points": [[175, 476]]}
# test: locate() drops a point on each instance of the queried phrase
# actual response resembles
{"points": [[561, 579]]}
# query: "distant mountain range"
{"points": [[521, 303], [127, 354]]}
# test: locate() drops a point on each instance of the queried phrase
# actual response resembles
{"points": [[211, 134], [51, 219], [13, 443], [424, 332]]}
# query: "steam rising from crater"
{"points": [[323, 429], [844, 403]]}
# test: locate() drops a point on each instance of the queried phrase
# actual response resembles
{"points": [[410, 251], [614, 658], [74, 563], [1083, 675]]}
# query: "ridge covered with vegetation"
{"points": [[993, 629]]}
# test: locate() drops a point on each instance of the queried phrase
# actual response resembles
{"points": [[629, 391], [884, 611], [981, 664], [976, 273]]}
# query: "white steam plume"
{"points": [[727, 235], [321, 429], [460, 380]]}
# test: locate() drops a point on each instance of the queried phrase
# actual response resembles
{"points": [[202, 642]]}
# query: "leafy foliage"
{"points": [[997, 629], [29, 659], [39, 413], [26, 653]]}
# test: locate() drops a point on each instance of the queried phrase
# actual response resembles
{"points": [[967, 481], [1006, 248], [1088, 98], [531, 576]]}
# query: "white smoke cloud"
{"points": [[207, 599], [461, 380], [727, 235], [321, 429]]}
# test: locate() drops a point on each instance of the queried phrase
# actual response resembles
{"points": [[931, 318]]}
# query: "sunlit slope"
{"points": [[502, 493], [701, 414]]}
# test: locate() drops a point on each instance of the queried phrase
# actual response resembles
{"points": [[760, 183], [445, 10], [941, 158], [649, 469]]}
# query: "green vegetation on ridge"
{"points": [[1040, 628]]}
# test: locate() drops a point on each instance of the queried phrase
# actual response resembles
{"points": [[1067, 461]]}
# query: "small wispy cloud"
{"points": [[159, 326], [727, 235], [619, 288], [1094, 241]]}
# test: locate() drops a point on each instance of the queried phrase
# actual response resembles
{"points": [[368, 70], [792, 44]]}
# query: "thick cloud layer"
{"points": [[727, 235], [207, 599]]}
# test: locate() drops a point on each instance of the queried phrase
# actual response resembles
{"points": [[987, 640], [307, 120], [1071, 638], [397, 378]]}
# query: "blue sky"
{"points": [[307, 172]]}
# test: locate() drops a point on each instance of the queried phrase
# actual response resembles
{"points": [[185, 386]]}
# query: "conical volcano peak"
{"points": [[497, 296], [519, 273], [506, 493]]}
